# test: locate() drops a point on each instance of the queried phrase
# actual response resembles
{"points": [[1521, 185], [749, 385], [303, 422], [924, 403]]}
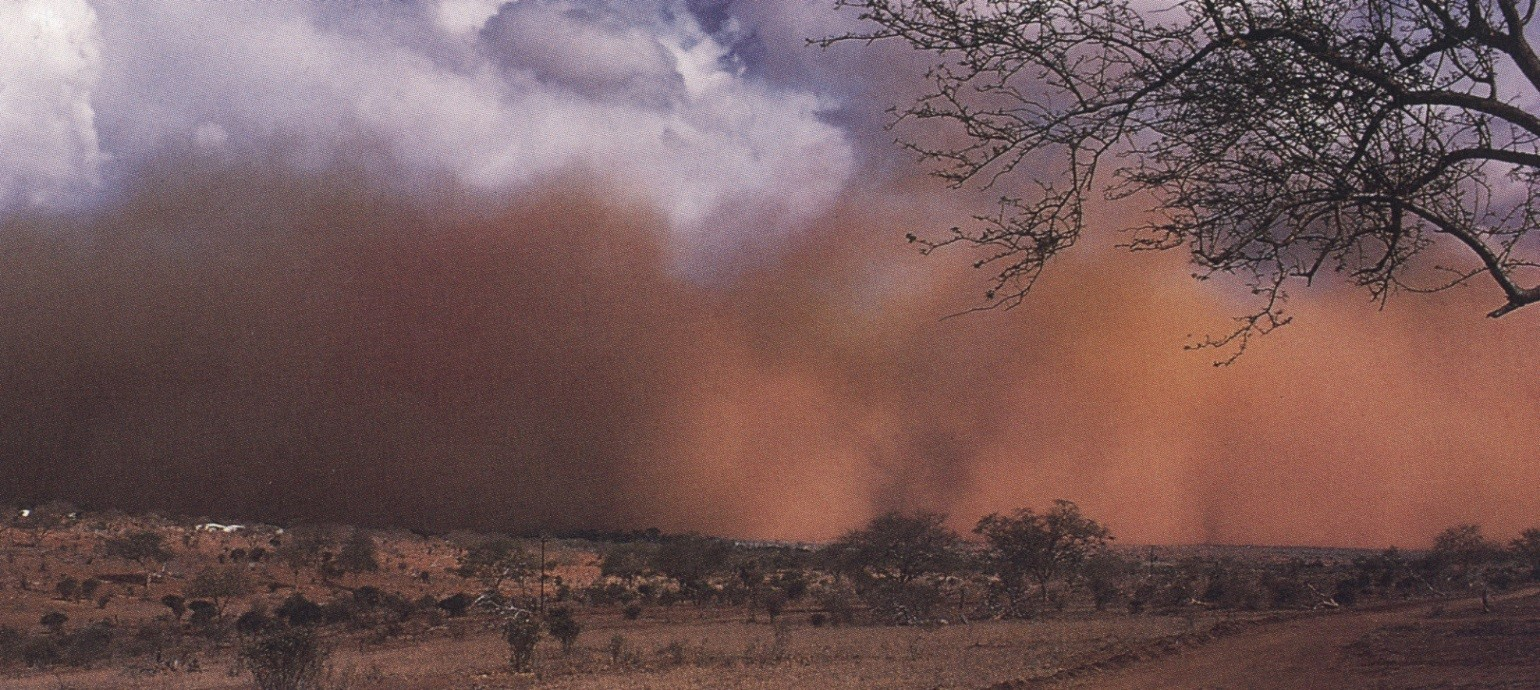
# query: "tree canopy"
{"points": [[1393, 142]]}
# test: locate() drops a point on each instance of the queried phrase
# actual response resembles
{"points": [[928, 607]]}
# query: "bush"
{"points": [[285, 658], [68, 588], [41, 652], [253, 621], [54, 621], [632, 611], [299, 611], [204, 613], [456, 605], [89, 644], [89, 587], [176, 603], [839, 604], [11, 642], [522, 632], [220, 585], [774, 602], [564, 627]]}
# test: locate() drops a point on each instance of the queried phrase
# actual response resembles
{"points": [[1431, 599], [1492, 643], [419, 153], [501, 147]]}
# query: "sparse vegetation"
{"points": [[820, 603]]}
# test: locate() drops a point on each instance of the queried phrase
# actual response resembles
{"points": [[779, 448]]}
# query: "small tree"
{"points": [[89, 587], [297, 610], [302, 547], [522, 633], [894, 559], [495, 562], [54, 621], [1526, 549], [220, 585], [176, 603], [285, 658], [564, 627], [143, 547], [692, 560], [627, 561], [1038, 548], [359, 554], [1459, 552]]}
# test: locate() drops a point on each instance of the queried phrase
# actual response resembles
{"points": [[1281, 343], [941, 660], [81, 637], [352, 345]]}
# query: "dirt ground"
{"points": [[1423, 645], [1427, 644]]}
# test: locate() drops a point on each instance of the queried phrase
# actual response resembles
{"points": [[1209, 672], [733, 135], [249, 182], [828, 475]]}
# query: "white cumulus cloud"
{"points": [[500, 95]]}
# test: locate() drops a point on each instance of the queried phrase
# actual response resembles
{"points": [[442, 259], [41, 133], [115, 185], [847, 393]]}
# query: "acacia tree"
{"points": [[220, 585], [1526, 549], [1038, 548], [495, 562], [896, 560], [143, 547], [1384, 140]]}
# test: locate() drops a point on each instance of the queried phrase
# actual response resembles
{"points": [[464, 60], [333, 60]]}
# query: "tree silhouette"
{"points": [[1387, 141], [143, 547], [1039, 547]]}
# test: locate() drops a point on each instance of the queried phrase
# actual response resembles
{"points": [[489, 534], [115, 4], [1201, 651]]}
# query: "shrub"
{"points": [[253, 621], [522, 632], [299, 611], [839, 604], [632, 611], [203, 612], [457, 604], [494, 562], [176, 603], [564, 627], [41, 652], [285, 658], [68, 588], [54, 621], [359, 554], [91, 643], [11, 642], [774, 602], [220, 585]]}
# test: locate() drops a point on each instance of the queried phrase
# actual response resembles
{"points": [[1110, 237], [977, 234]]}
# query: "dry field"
{"points": [[1414, 643]]}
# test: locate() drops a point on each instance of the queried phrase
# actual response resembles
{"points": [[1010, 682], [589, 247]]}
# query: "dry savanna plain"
{"points": [[108, 600]]}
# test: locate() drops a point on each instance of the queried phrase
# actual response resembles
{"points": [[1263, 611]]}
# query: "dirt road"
{"points": [[1449, 644]]}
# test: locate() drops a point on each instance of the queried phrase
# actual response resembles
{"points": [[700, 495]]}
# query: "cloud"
{"points": [[499, 97], [50, 60]]}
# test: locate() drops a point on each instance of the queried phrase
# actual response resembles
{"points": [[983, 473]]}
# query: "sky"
{"points": [[589, 264]]}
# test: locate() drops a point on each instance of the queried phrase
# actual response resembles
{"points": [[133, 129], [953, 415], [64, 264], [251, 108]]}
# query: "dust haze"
{"points": [[257, 340]]}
